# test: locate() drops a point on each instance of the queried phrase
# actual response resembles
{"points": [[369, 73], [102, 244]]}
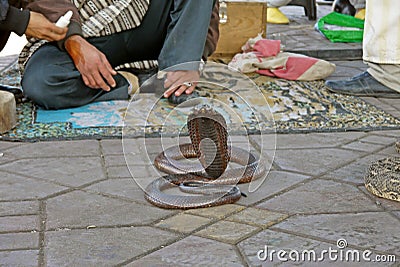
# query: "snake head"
{"points": [[209, 136]]}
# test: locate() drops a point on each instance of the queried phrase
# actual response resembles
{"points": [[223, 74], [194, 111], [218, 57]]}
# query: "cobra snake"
{"points": [[383, 177], [209, 182]]}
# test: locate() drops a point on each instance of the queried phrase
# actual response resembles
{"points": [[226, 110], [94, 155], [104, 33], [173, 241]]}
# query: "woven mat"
{"points": [[275, 106]]}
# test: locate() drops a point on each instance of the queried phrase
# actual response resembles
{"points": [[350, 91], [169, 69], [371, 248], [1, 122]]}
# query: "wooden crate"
{"points": [[245, 19]]}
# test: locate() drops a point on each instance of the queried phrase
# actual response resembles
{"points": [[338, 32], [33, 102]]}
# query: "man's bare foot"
{"points": [[181, 81]]}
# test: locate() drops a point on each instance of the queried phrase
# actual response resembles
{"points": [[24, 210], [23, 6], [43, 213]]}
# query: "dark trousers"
{"points": [[172, 32]]}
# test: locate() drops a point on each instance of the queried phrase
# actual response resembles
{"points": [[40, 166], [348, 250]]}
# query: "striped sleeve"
{"points": [[98, 20]]}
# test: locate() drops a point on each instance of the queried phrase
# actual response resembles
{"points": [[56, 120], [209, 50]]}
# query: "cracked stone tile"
{"points": [[372, 230], [57, 149], [336, 197], [80, 209], [275, 182], [15, 187], [355, 171], [19, 208], [19, 223], [102, 247], [257, 217], [183, 222], [217, 212], [397, 214], [186, 252], [126, 188], [227, 231], [262, 250], [67, 171], [24, 258], [315, 140], [314, 161], [19, 241]]}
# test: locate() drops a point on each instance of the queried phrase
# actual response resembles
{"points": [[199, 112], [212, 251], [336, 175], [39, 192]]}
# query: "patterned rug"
{"points": [[252, 105]]}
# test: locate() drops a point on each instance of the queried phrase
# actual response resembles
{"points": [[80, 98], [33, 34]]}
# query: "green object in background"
{"points": [[340, 28]]}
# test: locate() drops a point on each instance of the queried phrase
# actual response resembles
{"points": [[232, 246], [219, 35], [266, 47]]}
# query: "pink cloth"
{"points": [[263, 56], [268, 48]]}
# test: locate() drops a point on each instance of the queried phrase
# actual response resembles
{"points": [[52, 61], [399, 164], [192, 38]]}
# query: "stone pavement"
{"points": [[75, 203]]}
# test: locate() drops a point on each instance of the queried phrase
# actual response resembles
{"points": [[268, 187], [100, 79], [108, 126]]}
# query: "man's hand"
{"points": [[41, 28], [93, 65], [175, 82]]}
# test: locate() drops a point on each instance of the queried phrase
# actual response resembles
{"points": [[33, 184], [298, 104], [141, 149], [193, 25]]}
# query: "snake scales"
{"points": [[210, 182], [383, 177]]}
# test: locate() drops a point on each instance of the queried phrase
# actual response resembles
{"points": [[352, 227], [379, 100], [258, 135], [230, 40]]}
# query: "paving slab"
{"points": [[16, 187], [17, 241], [314, 161], [5, 157], [228, 232], [82, 209], [6, 145], [184, 223], [257, 217], [370, 230], [312, 140], [19, 223], [19, 208], [217, 212], [274, 183], [115, 172], [264, 249], [192, 251], [56, 149], [355, 171], [337, 198], [102, 247], [383, 202], [73, 172], [373, 139], [394, 133], [24, 258], [125, 188], [361, 145]]}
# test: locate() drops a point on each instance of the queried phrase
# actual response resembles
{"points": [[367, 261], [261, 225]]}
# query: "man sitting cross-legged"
{"points": [[102, 35]]}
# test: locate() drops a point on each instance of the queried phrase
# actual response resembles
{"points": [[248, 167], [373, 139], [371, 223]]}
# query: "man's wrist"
{"points": [[74, 29]]}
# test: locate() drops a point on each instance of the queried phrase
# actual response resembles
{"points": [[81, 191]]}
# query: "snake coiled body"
{"points": [[383, 177], [215, 183]]}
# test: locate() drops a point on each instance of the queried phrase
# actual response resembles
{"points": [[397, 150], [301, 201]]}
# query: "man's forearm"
{"points": [[53, 10]]}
